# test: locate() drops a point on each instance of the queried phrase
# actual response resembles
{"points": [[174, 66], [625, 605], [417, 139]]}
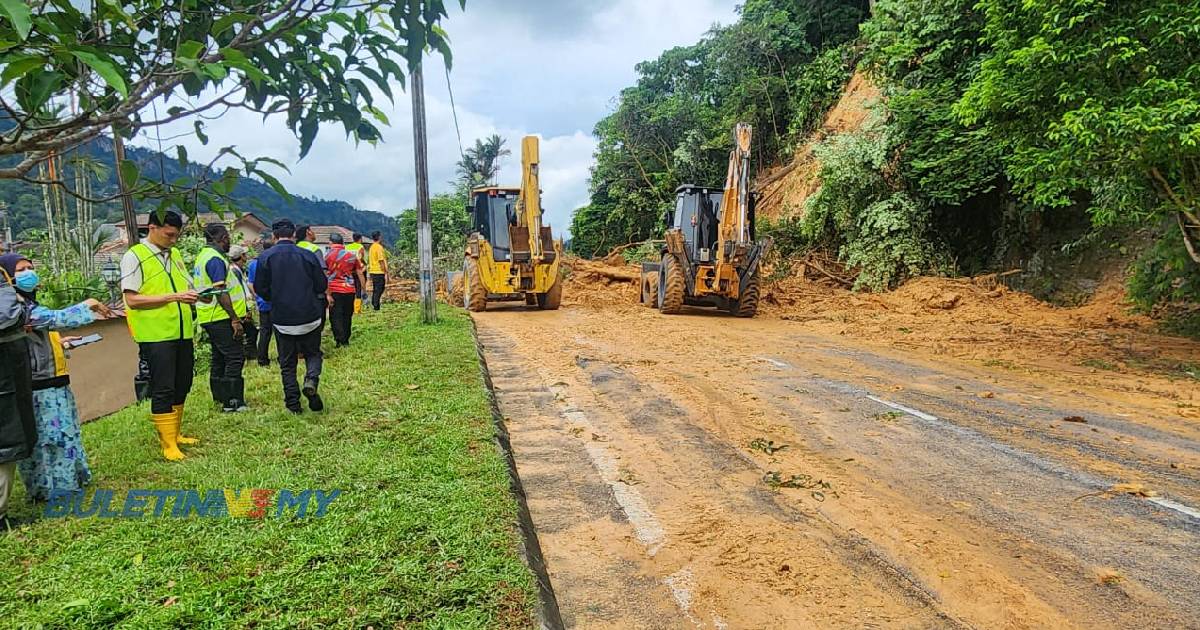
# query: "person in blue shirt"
{"points": [[264, 308]]}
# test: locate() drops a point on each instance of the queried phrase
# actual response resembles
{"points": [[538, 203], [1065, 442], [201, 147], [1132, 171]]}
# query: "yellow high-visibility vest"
{"points": [[212, 312], [167, 322]]}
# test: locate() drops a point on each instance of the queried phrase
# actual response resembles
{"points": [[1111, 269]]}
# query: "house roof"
{"points": [[254, 223], [323, 231]]}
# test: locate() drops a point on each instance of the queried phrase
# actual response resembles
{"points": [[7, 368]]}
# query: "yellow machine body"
{"points": [[510, 254]]}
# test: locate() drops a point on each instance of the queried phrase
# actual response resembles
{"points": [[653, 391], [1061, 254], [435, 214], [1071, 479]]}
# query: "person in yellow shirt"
{"points": [[377, 268]]}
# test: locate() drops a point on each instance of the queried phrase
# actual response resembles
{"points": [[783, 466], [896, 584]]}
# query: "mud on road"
{"points": [[705, 471]]}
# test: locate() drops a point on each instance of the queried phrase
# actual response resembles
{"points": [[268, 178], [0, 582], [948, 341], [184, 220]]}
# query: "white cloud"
{"points": [[549, 68]]}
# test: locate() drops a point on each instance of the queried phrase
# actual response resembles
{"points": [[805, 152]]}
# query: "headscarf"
{"points": [[8, 262]]}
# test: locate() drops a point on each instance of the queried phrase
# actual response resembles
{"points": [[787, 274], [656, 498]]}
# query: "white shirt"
{"points": [[301, 329], [131, 268]]}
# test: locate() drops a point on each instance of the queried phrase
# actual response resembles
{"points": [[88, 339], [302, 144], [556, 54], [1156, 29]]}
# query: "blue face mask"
{"points": [[27, 280]]}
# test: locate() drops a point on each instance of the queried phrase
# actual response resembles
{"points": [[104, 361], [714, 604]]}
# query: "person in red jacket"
{"points": [[345, 272]]}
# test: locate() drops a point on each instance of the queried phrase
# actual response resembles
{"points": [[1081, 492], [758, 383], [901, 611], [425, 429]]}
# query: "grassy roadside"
{"points": [[423, 534]]}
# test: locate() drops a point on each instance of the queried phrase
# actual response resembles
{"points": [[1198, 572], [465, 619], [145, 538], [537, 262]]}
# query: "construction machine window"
{"points": [[492, 216]]}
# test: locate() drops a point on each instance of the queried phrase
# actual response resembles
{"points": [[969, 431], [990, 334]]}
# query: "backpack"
{"points": [[14, 310]]}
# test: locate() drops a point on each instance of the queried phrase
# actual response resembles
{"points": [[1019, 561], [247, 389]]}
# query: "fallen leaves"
{"points": [[766, 446]]}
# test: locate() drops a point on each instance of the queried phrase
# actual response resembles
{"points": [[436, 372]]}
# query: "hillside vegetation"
{"points": [[1007, 134], [26, 209]]}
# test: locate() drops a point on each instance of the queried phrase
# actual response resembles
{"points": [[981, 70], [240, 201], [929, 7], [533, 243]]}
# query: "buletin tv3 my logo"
{"points": [[250, 503]]}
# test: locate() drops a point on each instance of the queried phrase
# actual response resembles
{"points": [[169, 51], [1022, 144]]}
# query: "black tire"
{"points": [[747, 303], [671, 286], [474, 293], [649, 292], [552, 299]]}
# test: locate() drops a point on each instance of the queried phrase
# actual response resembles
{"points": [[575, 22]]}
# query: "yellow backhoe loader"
{"points": [[510, 255], [710, 257]]}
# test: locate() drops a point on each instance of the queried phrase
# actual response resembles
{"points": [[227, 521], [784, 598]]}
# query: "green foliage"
{"points": [[60, 290], [449, 220], [880, 228], [480, 164], [1094, 96], [1166, 281], [673, 126], [309, 63]]}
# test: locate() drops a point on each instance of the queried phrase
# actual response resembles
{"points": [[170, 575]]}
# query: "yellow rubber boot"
{"points": [[168, 430], [179, 437]]}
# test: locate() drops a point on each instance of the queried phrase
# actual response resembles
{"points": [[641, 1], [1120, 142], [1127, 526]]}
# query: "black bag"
{"points": [[18, 428]]}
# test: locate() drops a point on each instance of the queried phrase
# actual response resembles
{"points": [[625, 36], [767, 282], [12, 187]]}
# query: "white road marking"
{"points": [[1178, 507], [681, 584], [1159, 501], [646, 527], [908, 410], [776, 362]]}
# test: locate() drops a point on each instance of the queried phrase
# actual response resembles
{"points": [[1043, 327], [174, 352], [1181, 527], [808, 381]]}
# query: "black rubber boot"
{"points": [[217, 385], [314, 399], [236, 390]]}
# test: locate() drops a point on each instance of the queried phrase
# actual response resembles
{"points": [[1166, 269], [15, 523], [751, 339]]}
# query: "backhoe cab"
{"points": [[510, 255], [710, 257]]}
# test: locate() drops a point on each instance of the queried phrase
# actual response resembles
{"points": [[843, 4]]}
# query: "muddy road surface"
{"points": [[704, 471]]}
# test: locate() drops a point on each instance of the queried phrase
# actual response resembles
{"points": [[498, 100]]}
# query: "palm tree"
{"points": [[480, 164]]}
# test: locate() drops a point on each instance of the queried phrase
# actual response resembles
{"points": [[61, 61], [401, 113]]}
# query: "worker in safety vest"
{"points": [[304, 240], [158, 298], [222, 318], [358, 248]]}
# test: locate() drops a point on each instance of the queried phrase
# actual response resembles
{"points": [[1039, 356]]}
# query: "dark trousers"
{"points": [[290, 346], [264, 337], [341, 316], [228, 356], [18, 428], [378, 282], [171, 365], [250, 339]]}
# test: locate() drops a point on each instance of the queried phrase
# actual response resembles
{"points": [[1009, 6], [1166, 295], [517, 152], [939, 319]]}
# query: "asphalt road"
{"points": [[909, 492]]}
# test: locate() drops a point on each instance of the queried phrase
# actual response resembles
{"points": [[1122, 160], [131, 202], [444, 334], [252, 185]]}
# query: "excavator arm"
{"points": [[733, 231], [529, 205]]}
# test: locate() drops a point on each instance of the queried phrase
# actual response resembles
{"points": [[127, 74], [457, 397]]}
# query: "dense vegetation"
{"points": [[1007, 128], [779, 67]]}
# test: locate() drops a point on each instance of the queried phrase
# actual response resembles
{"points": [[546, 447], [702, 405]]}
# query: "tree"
{"points": [[77, 73], [480, 164], [1096, 100], [673, 126], [449, 219]]}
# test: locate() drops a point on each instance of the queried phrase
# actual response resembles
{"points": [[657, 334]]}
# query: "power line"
{"points": [[454, 110]]}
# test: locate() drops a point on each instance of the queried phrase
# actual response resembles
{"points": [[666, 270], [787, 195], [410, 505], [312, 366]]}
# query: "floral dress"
{"points": [[58, 463]]}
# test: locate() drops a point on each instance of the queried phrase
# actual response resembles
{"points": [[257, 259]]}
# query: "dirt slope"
{"points": [[784, 189]]}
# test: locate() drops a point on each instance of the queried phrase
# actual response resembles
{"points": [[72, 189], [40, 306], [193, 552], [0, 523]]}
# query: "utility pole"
{"points": [[8, 246], [424, 230], [131, 224]]}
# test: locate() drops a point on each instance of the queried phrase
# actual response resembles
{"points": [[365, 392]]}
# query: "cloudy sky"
{"points": [[545, 67]]}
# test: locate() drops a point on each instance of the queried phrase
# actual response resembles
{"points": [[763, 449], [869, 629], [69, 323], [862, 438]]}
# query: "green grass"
{"points": [[423, 535]]}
